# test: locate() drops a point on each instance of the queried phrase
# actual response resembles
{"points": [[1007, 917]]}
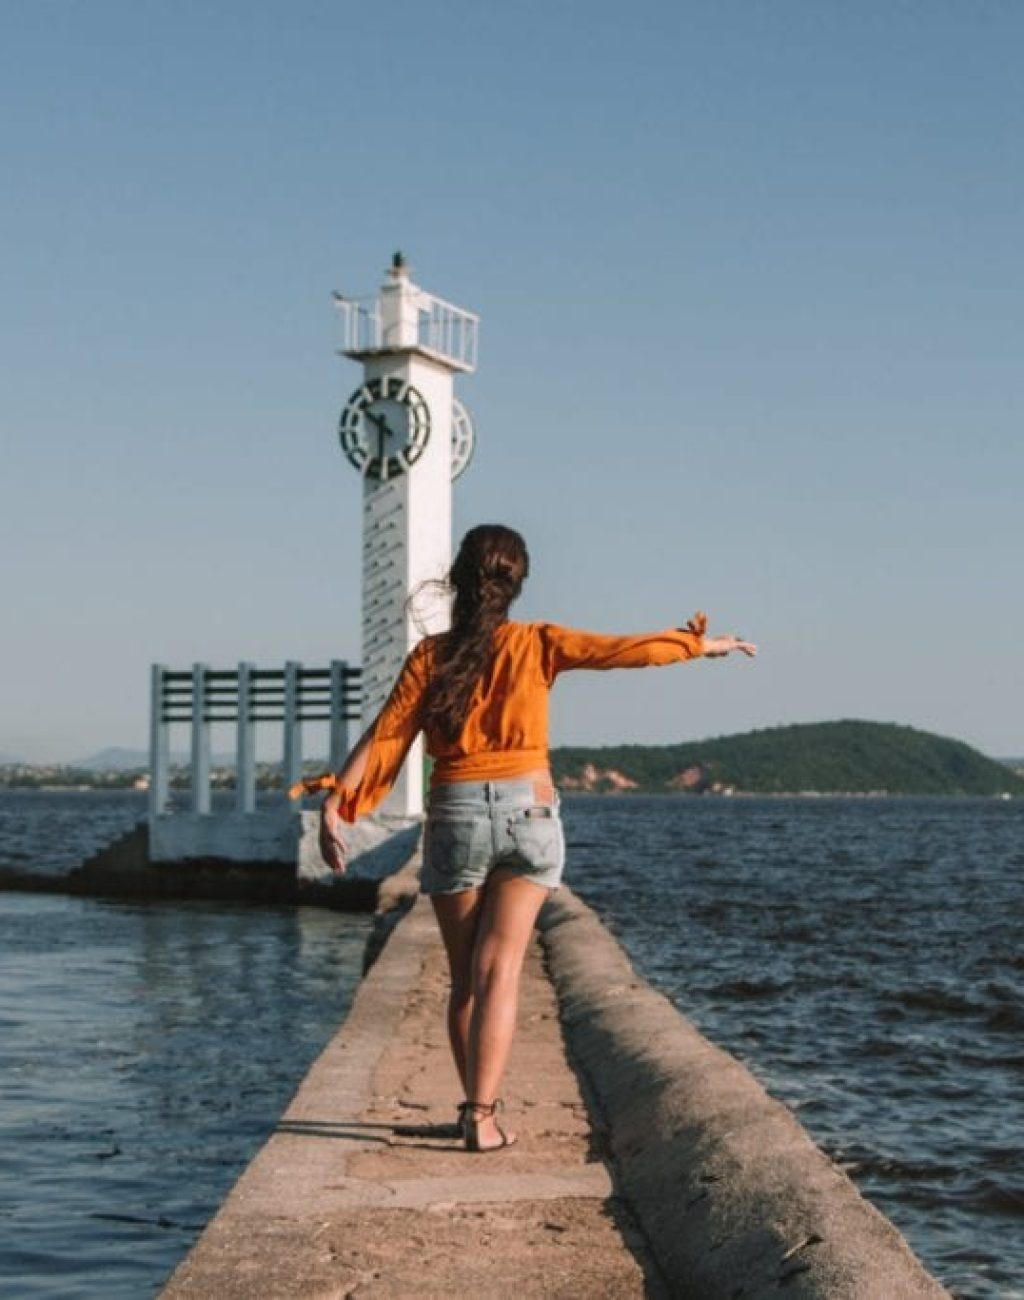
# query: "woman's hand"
{"points": [[332, 846], [716, 647]]}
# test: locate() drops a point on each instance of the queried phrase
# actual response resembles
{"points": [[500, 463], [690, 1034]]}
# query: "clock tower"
{"points": [[408, 436]]}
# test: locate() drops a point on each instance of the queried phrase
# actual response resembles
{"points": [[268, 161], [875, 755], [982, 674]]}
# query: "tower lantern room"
{"points": [[406, 433]]}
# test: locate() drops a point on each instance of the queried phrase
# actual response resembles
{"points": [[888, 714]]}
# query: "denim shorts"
{"points": [[475, 826]]}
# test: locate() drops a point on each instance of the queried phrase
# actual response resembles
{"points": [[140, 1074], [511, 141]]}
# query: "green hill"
{"points": [[846, 757]]}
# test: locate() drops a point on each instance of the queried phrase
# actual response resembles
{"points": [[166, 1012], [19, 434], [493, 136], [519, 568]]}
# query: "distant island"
{"points": [[812, 758], [806, 758]]}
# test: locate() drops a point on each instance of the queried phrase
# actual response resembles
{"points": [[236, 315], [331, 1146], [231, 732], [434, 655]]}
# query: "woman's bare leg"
{"points": [[458, 917], [506, 919]]}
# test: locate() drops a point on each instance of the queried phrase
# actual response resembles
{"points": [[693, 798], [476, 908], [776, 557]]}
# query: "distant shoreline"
{"points": [[847, 759], [1001, 796]]}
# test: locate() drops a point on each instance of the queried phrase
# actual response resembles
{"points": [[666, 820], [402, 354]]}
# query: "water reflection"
{"points": [[147, 1050]]}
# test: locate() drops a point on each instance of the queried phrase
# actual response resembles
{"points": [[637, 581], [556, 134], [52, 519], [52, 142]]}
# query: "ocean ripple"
{"points": [[863, 958]]}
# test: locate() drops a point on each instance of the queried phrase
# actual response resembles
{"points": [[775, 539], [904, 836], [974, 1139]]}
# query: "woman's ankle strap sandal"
{"points": [[472, 1113]]}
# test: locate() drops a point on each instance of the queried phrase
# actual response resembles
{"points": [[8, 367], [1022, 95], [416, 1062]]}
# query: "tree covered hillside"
{"points": [[848, 757]]}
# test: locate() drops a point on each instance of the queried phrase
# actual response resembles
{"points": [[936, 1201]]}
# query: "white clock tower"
{"points": [[409, 436]]}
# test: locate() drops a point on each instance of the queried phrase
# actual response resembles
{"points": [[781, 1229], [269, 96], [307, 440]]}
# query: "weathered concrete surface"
{"points": [[266, 835], [359, 1192], [733, 1196]]}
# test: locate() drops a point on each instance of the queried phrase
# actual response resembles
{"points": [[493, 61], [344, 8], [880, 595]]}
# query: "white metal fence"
{"points": [[441, 328]]}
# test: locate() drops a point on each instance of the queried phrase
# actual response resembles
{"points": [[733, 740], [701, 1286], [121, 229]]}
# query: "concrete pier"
{"points": [[363, 1190], [673, 1174]]}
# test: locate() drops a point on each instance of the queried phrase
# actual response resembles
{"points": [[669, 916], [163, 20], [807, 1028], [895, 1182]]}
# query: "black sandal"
{"points": [[470, 1120]]}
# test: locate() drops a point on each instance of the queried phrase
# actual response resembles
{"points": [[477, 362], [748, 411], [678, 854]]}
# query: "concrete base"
{"points": [[266, 836], [378, 847]]}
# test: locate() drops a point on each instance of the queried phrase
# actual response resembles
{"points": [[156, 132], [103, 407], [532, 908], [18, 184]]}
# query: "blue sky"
{"points": [[751, 295]]}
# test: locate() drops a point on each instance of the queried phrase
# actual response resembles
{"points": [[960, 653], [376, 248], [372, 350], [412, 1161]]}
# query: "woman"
{"points": [[493, 844]]}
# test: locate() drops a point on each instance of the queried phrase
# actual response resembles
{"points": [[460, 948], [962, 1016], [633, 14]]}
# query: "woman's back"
{"points": [[504, 728]]}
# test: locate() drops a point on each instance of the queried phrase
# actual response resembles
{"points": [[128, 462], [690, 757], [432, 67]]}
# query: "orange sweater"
{"points": [[506, 729]]}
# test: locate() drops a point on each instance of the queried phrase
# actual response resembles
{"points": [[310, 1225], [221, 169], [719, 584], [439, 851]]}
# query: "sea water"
{"points": [[146, 1051], [863, 957]]}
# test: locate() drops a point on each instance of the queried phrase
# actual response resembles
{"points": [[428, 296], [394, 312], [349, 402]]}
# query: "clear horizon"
{"points": [[751, 300]]}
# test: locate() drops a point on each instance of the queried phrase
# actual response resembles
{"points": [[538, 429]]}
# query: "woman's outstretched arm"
{"points": [[563, 648]]}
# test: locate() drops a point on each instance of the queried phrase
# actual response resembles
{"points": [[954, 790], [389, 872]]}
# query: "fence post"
{"points": [[340, 742], [159, 743], [245, 749], [200, 742], [292, 725]]}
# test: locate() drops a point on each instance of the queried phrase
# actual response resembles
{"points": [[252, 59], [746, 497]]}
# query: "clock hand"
{"points": [[382, 425], [382, 433], [383, 430]]}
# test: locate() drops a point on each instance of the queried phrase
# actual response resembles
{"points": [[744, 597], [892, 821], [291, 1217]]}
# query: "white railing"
{"points": [[361, 329], [448, 330], [438, 327], [245, 696]]}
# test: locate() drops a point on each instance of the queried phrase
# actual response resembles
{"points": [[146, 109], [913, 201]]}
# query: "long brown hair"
{"points": [[486, 577]]}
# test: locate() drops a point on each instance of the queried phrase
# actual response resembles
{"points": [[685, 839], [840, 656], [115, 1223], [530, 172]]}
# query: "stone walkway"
{"points": [[359, 1193]]}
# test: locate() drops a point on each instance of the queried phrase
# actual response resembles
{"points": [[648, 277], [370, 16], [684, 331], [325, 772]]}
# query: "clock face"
{"points": [[384, 427], [463, 438]]}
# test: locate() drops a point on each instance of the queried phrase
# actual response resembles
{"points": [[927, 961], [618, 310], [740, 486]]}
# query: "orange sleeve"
{"points": [[397, 726], [564, 648]]}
